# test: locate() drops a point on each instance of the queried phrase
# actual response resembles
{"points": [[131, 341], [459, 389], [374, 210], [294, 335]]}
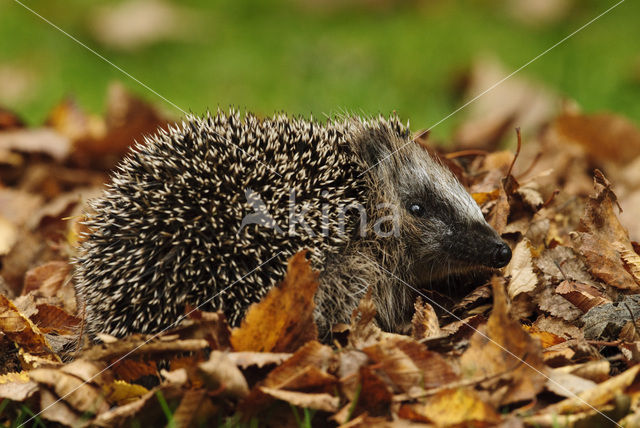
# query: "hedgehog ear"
{"points": [[373, 144]]}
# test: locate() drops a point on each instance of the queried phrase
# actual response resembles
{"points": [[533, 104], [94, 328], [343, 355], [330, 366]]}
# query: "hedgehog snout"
{"points": [[478, 245], [492, 251], [501, 255]]}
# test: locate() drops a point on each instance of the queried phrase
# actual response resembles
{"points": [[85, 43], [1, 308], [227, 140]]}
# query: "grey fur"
{"points": [[163, 235]]}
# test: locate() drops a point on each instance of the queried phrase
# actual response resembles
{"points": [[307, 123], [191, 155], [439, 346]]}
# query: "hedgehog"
{"points": [[206, 214]]}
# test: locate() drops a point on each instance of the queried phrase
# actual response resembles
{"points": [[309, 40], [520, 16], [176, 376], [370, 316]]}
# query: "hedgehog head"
{"points": [[440, 226]]}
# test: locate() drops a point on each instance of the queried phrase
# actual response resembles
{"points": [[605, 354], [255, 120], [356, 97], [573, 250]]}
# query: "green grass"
{"points": [[23, 415], [276, 55]]}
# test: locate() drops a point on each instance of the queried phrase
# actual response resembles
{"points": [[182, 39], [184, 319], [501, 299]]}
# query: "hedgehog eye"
{"points": [[416, 209]]}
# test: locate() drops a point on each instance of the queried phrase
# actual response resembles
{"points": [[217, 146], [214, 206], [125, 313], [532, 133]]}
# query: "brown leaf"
{"points": [[136, 345], [522, 277], [602, 240], [605, 262], [563, 262], [567, 384], [8, 236], [375, 396], [482, 198], [75, 384], [597, 371], [363, 330], [598, 396], [219, 372], [9, 120], [319, 401], [473, 299], [52, 319], [131, 370], [121, 392], [18, 206], [530, 194], [409, 364], [514, 101], [195, 409], [290, 373], [500, 213], [464, 327], [366, 421], [546, 338], [46, 278], [554, 304], [17, 386], [507, 352], [70, 120], [117, 416], [23, 332], [211, 326], [604, 322], [603, 135], [42, 140], [583, 296], [559, 327], [350, 363], [283, 319], [258, 359], [128, 119], [306, 369], [452, 407], [424, 323], [56, 410]]}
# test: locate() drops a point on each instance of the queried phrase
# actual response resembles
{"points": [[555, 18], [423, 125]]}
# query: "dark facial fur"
{"points": [[442, 226], [167, 232]]}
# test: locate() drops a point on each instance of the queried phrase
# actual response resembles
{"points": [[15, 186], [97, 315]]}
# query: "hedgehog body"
{"points": [[207, 214]]}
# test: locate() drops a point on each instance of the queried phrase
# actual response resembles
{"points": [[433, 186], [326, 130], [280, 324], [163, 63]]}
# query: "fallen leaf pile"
{"points": [[552, 339]]}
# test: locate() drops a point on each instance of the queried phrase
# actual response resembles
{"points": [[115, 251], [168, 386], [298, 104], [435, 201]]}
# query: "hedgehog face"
{"points": [[443, 227]]}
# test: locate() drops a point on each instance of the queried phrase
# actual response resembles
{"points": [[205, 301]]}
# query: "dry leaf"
{"points": [[459, 407], [319, 401], [17, 386], [598, 396], [602, 239], [568, 385], [520, 269], [75, 384], [363, 330], [219, 372], [23, 332], [604, 322], [258, 359], [506, 352], [303, 370], [43, 140], [283, 320], [121, 392], [425, 321], [130, 370], [603, 135], [514, 101], [546, 338], [289, 373], [8, 236], [409, 364], [47, 278], [583, 296], [195, 409]]}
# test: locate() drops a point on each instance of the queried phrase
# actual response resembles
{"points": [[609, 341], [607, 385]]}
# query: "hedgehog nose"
{"points": [[501, 255]]}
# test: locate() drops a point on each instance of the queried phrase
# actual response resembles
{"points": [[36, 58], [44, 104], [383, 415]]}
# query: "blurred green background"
{"points": [[315, 56]]}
